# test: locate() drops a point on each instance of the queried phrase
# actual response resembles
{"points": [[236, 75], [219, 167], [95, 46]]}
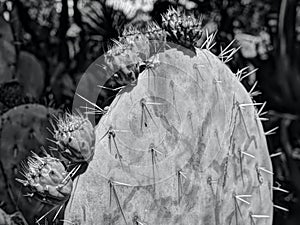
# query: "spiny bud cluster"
{"points": [[152, 31], [47, 178], [75, 137], [183, 29]]}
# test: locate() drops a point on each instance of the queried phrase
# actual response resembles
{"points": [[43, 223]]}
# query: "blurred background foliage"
{"points": [[46, 45]]}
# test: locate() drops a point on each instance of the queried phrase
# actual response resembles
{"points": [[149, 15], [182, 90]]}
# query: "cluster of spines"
{"points": [[69, 122], [74, 137], [183, 29], [152, 31], [47, 178]]}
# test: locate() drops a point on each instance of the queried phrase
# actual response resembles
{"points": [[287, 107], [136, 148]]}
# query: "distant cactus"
{"points": [[12, 94], [185, 145], [30, 74]]}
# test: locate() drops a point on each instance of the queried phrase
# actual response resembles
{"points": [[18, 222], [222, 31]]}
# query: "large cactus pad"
{"points": [[183, 146]]}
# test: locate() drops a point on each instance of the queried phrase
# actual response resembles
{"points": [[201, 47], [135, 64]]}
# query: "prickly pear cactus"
{"points": [[22, 130], [182, 146]]}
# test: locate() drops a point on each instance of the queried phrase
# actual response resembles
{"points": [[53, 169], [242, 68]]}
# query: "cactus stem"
{"points": [[276, 154], [265, 170], [114, 192], [93, 104], [270, 132], [248, 154], [248, 74]]}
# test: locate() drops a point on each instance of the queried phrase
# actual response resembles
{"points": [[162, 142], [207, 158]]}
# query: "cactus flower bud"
{"points": [[47, 178], [75, 137]]}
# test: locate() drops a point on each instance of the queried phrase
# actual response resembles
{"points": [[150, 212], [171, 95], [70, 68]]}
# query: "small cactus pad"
{"points": [[183, 146], [22, 130], [47, 178], [75, 137]]}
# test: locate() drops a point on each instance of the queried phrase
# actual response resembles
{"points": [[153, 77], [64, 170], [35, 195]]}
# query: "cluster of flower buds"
{"points": [[47, 179], [182, 29], [75, 138]]}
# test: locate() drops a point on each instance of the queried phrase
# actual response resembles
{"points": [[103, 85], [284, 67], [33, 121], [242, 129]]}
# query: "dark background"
{"points": [[46, 45]]}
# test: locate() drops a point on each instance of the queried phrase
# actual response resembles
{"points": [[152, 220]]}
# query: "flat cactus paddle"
{"points": [[183, 146]]}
